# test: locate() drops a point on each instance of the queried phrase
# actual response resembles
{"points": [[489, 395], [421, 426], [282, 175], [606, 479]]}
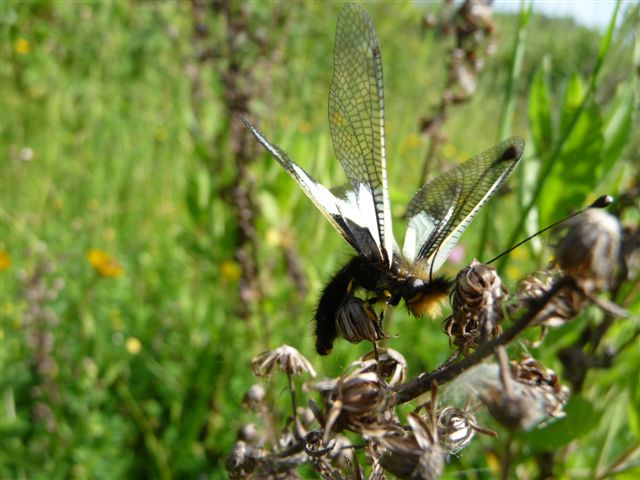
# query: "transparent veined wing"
{"points": [[441, 210], [339, 205], [356, 121]]}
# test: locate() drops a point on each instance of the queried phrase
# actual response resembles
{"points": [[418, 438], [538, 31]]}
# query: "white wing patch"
{"points": [[357, 207], [451, 240], [317, 192], [442, 209], [426, 224], [419, 227]]}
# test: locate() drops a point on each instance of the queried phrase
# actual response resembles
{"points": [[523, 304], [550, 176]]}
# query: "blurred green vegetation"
{"points": [[123, 351]]}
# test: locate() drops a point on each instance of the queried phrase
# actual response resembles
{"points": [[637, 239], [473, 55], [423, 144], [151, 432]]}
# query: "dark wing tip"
{"points": [[602, 202], [514, 148]]}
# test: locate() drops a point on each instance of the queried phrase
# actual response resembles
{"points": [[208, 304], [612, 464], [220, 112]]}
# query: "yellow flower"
{"points": [[514, 272], [412, 140], [104, 264], [133, 345], [305, 127], [5, 261], [273, 237], [230, 270], [22, 46], [449, 150]]}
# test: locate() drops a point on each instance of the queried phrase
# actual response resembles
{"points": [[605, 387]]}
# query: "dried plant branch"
{"points": [[422, 383]]}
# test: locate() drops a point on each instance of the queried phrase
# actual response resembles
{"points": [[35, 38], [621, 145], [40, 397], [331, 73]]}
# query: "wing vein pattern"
{"points": [[337, 205], [356, 120], [441, 210]]}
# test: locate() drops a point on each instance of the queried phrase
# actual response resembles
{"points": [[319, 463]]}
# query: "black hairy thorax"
{"points": [[342, 312]]}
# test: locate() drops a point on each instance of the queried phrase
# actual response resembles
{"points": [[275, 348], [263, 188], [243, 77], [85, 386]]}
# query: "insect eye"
{"points": [[415, 283]]}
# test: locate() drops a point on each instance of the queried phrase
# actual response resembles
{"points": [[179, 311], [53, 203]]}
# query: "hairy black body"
{"points": [[339, 305]]}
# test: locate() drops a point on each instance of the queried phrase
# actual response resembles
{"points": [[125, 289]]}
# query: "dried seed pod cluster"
{"points": [[476, 301], [364, 400], [517, 394], [526, 396], [589, 250], [286, 358]]}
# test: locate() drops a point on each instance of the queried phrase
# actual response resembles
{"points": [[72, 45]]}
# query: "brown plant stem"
{"points": [[294, 403], [505, 464], [422, 383]]}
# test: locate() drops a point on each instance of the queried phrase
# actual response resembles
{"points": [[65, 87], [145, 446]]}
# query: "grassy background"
{"points": [[139, 371]]}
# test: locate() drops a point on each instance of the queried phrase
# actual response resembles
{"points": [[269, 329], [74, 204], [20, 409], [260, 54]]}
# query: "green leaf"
{"points": [[269, 208], [540, 110], [579, 419], [633, 406], [573, 98], [577, 168], [197, 195], [617, 128]]}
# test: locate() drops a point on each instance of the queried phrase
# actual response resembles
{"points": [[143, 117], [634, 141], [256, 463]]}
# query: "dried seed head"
{"points": [[242, 461], [363, 393], [532, 396], [516, 411], [630, 251], [314, 444], [359, 402], [391, 365], [590, 248], [456, 429], [416, 455], [476, 302], [287, 358], [551, 393], [357, 321], [254, 396], [564, 306], [401, 455], [249, 434]]}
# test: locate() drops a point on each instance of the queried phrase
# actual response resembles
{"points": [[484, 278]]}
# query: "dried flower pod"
{"points": [[359, 402], [357, 321], [254, 396], [528, 395], [287, 358], [481, 14], [530, 371], [463, 76], [363, 393], [516, 411], [589, 250], [242, 461], [391, 365], [630, 251], [415, 456], [314, 444], [564, 306], [476, 302], [456, 429], [250, 435]]}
